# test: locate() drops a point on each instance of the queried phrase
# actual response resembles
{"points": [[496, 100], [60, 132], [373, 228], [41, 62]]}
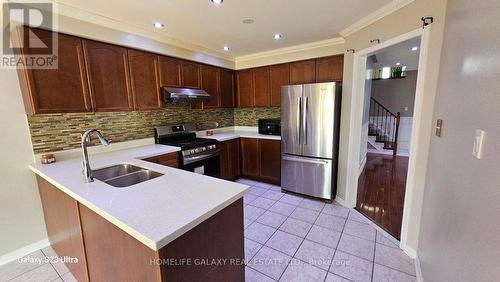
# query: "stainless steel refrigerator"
{"points": [[310, 115]]}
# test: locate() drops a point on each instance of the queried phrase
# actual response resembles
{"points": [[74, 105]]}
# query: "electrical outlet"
{"points": [[478, 144]]}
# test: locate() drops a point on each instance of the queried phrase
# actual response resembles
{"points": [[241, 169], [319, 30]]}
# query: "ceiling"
{"points": [[201, 23], [402, 53]]}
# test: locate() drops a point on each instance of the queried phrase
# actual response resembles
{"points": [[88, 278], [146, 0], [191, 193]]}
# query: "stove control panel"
{"points": [[199, 150]]}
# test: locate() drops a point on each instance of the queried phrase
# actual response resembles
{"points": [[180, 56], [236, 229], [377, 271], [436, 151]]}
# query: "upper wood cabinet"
{"points": [[108, 76], [210, 83], [226, 85], [303, 72], [262, 87], [280, 75], [330, 68], [60, 90], [144, 80], [170, 71], [245, 86], [254, 87], [191, 74]]}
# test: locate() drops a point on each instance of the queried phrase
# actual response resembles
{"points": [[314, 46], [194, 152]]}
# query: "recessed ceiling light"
{"points": [[398, 64], [248, 21], [226, 48], [158, 25], [217, 2], [277, 36], [414, 48]]}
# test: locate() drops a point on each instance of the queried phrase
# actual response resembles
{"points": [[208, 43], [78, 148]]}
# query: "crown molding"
{"points": [[87, 16], [291, 49], [375, 16]]}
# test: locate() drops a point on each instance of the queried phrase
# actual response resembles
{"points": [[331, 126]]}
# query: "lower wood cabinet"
{"points": [[270, 160], [230, 159], [250, 157], [107, 253], [261, 159], [170, 160]]}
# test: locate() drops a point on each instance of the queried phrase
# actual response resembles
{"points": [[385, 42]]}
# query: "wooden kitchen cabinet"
{"points": [[191, 75], [250, 157], [209, 83], [230, 159], [279, 75], [108, 76], [270, 160], [144, 80], [170, 71], [245, 88], [60, 90], [262, 87], [261, 159], [170, 160], [62, 221], [106, 252], [303, 72], [226, 85], [330, 68]]}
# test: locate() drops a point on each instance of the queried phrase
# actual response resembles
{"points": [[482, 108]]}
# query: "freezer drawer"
{"points": [[307, 176]]}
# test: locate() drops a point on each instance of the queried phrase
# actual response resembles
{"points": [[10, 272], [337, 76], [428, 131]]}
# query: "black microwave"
{"points": [[270, 126]]}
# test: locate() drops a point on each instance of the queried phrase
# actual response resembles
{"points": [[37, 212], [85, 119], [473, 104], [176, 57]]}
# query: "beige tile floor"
{"points": [[287, 238]]}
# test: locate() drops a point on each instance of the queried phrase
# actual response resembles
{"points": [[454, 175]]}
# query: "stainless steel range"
{"points": [[199, 155]]}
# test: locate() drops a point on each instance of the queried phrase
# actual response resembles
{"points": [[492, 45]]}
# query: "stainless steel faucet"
{"points": [[87, 171]]}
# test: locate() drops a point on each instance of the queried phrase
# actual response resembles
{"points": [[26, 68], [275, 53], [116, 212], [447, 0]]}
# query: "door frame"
{"points": [[417, 139]]}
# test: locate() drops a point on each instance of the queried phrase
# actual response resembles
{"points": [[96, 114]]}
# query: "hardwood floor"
{"points": [[381, 191]]}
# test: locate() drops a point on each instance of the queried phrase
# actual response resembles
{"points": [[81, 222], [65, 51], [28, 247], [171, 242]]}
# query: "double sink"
{"points": [[124, 175]]}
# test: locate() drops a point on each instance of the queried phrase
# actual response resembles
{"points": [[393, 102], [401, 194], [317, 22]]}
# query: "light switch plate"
{"points": [[478, 144]]}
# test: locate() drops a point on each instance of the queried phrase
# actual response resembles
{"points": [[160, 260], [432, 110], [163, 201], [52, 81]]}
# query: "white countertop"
{"points": [[156, 211], [228, 133]]}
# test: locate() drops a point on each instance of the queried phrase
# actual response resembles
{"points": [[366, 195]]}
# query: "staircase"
{"points": [[383, 129]]}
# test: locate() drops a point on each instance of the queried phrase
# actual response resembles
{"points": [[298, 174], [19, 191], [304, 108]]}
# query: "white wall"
{"points": [[402, 21], [21, 216], [460, 234], [366, 118]]}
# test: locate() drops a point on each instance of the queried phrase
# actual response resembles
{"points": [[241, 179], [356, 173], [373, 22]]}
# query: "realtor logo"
{"points": [[25, 41]]}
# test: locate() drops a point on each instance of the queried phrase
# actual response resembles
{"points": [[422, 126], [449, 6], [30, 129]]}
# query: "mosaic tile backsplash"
{"points": [[251, 116], [56, 132]]}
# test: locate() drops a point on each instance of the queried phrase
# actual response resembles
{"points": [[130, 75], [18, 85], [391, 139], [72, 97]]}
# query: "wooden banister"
{"points": [[386, 124]]}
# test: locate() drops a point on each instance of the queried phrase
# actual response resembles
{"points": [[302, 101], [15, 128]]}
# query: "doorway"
{"points": [[388, 110]]}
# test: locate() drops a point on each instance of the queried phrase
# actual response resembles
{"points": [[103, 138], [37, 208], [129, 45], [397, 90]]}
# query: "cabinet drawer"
{"points": [[166, 160]]}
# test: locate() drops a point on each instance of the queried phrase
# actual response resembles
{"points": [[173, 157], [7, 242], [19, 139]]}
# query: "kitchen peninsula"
{"points": [[167, 228]]}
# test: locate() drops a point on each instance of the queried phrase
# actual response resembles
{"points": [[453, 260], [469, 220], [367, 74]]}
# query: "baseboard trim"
{"points": [[418, 270], [21, 252], [362, 166], [409, 251], [339, 200]]}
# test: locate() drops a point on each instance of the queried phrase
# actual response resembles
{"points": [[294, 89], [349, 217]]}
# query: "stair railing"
{"points": [[386, 125]]}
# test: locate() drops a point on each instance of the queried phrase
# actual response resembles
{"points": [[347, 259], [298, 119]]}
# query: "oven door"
{"points": [[208, 164]]}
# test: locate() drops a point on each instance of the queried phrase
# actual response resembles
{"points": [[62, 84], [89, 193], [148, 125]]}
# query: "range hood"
{"points": [[191, 95]]}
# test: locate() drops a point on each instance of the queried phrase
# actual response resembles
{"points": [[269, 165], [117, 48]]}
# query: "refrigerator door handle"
{"points": [[300, 160], [304, 119], [299, 121]]}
